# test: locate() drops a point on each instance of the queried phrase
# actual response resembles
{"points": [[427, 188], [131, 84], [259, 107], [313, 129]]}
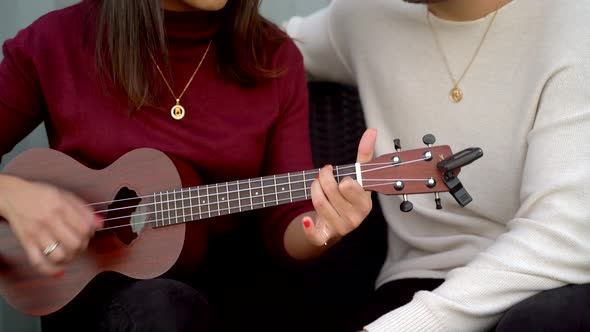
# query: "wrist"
{"points": [[7, 183]]}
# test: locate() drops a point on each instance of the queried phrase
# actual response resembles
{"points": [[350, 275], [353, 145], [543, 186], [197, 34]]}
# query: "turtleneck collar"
{"points": [[194, 27]]}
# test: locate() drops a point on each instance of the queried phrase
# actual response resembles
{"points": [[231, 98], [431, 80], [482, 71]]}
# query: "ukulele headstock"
{"points": [[433, 169]]}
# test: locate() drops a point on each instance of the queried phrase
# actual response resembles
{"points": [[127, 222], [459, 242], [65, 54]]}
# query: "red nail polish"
{"points": [[98, 220], [59, 275], [306, 223]]}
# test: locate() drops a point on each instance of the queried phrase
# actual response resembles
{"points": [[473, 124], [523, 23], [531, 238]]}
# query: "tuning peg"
{"points": [[397, 144], [406, 206], [429, 139], [437, 201]]}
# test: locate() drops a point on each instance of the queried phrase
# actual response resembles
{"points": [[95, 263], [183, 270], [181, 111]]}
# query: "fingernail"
{"points": [[59, 274], [306, 222], [98, 220]]}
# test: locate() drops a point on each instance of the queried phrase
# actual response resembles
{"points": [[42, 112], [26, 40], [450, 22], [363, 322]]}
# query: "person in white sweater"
{"points": [[511, 77]]}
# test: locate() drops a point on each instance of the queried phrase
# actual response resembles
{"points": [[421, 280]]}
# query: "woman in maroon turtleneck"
{"points": [[244, 114]]}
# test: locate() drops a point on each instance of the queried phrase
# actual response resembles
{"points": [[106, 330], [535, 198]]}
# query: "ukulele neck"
{"points": [[206, 201]]}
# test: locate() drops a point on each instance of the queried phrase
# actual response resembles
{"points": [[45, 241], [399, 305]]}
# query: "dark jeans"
{"points": [[565, 309], [117, 304]]}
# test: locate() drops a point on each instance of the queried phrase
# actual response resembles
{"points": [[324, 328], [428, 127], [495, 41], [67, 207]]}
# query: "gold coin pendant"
{"points": [[177, 112]]}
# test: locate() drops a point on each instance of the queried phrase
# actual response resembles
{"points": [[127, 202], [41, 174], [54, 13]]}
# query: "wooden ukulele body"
{"points": [[138, 253]]}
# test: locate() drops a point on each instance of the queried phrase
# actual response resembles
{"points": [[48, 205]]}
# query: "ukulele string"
{"points": [[383, 182], [209, 213], [207, 196], [218, 211], [386, 165]]}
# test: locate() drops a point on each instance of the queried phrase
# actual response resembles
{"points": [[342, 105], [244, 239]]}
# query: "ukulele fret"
{"points": [[222, 199], [290, 189], [255, 193], [239, 196], [162, 209], [250, 193], [262, 192], [276, 189], [200, 214], [186, 205], [342, 172], [190, 203], [204, 202], [269, 192], [283, 189], [233, 198], [155, 204], [168, 209], [182, 205], [214, 201], [297, 186], [171, 207], [245, 197], [176, 209]]}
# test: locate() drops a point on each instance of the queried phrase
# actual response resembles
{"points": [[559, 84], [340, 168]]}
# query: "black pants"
{"points": [[562, 309], [239, 288], [118, 304], [565, 309]]}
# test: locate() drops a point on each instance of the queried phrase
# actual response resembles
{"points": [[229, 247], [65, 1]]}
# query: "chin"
{"points": [[210, 5]]}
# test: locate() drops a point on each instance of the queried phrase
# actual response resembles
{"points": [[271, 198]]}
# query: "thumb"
{"points": [[317, 234], [367, 146]]}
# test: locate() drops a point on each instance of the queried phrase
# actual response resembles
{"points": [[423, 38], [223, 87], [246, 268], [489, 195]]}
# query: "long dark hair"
{"points": [[129, 30]]}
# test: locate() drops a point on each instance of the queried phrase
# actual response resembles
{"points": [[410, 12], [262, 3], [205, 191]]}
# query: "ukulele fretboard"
{"points": [[206, 201]]}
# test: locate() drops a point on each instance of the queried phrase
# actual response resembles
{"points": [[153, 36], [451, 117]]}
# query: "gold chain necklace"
{"points": [[177, 111], [456, 94]]}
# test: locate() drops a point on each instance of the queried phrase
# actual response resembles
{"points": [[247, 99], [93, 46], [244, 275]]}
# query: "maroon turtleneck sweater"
{"points": [[48, 75]]}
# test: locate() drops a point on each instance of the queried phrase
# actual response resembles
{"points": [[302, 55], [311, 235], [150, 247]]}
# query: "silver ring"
{"points": [[47, 251]]}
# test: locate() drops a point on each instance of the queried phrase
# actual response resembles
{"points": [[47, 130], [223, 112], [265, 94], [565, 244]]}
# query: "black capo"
{"points": [[454, 162]]}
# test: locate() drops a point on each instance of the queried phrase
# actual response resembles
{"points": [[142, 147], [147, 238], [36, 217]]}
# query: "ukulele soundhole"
{"points": [[126, 216]]}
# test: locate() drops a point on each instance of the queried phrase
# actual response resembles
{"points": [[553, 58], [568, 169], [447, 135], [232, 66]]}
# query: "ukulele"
{"points": [[147, 210]]}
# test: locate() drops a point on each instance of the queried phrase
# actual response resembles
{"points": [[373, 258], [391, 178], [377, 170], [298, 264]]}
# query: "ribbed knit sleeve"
{"points": [[323, 59], [21, 100], [288, 146]]}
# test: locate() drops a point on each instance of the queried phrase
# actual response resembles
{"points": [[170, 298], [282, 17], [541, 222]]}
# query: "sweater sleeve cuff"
{"points": [[414, 316]]}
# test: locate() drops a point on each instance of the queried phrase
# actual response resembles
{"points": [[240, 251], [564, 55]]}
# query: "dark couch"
{"points": [[343, 278]]}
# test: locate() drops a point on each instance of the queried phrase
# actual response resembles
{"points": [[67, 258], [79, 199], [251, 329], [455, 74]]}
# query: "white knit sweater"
{"points": [[526, 104]]}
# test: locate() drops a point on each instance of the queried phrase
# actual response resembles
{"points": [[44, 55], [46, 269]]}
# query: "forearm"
{"points": [[313, 37], [6, 183]]}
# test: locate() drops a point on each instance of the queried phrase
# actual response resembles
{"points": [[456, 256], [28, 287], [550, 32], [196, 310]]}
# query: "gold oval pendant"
{"points": [[177, 112], [456, 95]]}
